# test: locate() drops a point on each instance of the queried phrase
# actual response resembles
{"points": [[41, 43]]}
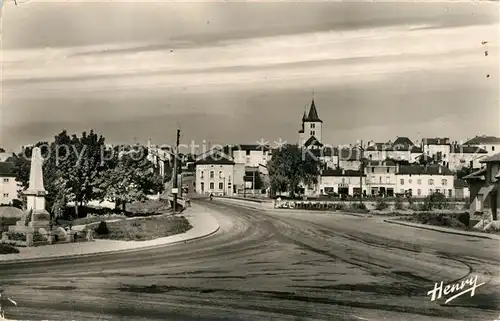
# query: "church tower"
{"points": [[310, 134]]}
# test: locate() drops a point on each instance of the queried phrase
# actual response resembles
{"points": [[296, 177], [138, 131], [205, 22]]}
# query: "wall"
{"points": [[378, 176], [221, 186], [459, 160], [431, 150], [8, 189], [421, 182], [254, 158]]}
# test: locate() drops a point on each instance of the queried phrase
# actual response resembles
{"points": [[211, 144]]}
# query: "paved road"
{"points": [[268, 266]]}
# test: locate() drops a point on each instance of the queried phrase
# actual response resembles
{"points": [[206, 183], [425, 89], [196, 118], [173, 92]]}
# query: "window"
{"points": [[6, 195], [402, 181], [431, 181], [493, 148], [388, 170], [313, 133], [409, 181], [373, 169], [419, 181], [419, 192], [221, 186], [212, 185], [202, 186], [343, 180], [248, 152], [380, 179], [5, 180], [211, 174], [220, 174], [202, 173], [388, 180], [444, 182], [312, 125]]}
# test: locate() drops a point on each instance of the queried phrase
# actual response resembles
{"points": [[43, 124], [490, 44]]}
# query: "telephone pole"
{"points": [[253, 184], [175, 189], [361, 170]]}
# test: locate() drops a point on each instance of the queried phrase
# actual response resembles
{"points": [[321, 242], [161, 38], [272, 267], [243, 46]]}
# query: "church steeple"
{"points": [[313, 114]]}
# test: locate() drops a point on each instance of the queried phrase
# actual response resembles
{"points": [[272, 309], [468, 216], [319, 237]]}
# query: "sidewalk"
{"points": [[203, 224], [446, 230]]}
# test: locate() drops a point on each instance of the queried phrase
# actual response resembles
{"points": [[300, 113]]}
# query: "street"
{"points": [[268, 265]]}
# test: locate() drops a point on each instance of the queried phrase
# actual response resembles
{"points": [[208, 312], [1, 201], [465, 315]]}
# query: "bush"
{"points": [[435, 201], [102, 229], [381, 205], [339, 206], [398, 204], [359, 206]]}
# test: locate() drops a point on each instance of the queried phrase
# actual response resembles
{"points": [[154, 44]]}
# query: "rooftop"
{"points": [[341, 172], [312, 116], [215, 158], [436, 141], [7, 169], [424, 170], [478, 140], [492, 159]]}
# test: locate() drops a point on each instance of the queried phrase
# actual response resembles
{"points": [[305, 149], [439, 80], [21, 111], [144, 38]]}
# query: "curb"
{"points": [[441, 231], [75, 256]]}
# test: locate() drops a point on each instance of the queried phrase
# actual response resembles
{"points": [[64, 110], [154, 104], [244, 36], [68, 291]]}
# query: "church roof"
{"points": [[312, 141], [313, 114]]}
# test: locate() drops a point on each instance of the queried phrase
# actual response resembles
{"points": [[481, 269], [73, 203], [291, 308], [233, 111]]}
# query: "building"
{"points": [[465, 156], [438, 149], [8, 184], [461, 189], [421, 181], [484, 185], [403, 149], [215, 174], [341, 182], [489, 143], [312, 126], [381, 177], [251, 155]]}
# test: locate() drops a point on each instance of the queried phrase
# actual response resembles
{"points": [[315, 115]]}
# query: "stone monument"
{"points": [[36, 216]]}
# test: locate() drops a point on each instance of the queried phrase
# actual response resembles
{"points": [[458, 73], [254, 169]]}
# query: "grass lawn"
{"points": [[453, 220], [144, 228], [7, 249], [146, 208]]}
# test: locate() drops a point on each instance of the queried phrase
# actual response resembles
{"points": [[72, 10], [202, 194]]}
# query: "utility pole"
{"points": [[253, 184], [175, 189], [361, 170]]}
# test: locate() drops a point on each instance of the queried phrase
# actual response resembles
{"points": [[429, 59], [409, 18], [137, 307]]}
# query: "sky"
{"points": [[226, 72]]}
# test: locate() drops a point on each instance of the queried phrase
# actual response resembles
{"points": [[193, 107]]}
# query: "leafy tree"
{"points": [[430, 160], [292, 166], [464, 171], [130, 179]]}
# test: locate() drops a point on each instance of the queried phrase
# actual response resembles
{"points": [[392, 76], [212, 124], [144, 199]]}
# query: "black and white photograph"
{"points": [[249, 160]]}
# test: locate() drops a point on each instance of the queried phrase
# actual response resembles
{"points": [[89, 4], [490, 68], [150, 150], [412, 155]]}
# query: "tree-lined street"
{"points": [[263, 265]]}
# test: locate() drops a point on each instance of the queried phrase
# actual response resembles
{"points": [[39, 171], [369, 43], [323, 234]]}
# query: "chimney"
{"points": [[439, 169], [343, 171], [439, 141], [397, 168]]}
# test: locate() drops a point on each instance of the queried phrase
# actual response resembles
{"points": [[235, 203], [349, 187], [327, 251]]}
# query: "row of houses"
{"points": [[391, 168]]}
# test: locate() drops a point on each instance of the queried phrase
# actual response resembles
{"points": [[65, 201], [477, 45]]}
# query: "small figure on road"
{"points": [[5, 301], [211, 196]]}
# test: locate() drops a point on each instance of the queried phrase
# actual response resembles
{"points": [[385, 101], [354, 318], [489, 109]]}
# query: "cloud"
{"points": [[327, 57]]}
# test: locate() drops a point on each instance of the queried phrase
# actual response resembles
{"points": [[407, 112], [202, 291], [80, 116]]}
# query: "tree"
{"points": [[430, 160], [131, 178], [292, 166], [464, 171]]}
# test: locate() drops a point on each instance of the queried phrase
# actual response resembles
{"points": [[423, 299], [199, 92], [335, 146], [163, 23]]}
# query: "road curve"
{"points": [[267, 265]]}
